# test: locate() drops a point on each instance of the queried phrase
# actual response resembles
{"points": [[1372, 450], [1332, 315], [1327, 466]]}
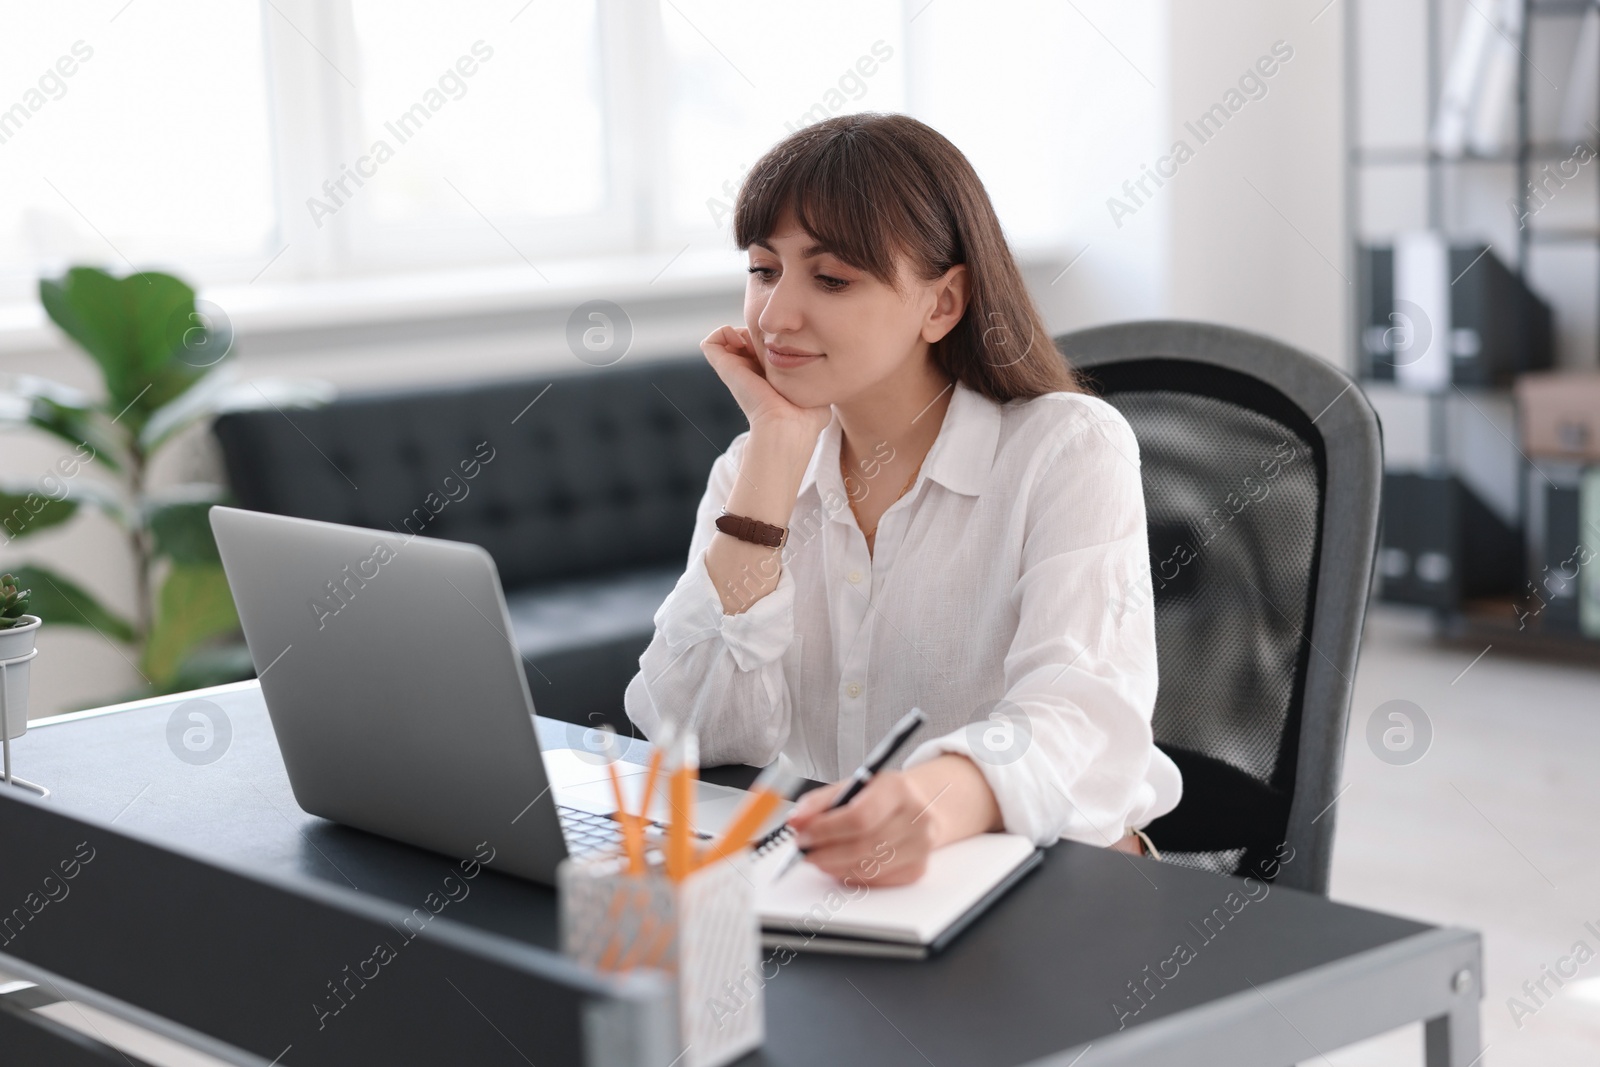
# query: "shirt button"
{"points": [[853, 577], [854, 689]]}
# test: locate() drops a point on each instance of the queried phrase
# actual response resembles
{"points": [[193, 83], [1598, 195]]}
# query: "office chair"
{"points": [[1262, 470]]}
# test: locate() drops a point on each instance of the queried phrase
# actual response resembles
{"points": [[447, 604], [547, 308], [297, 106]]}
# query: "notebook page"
{"points": [[808, 901]]}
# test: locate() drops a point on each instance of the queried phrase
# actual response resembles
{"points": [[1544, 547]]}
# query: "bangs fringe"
{"points": [[846, 197], [875, 189]]}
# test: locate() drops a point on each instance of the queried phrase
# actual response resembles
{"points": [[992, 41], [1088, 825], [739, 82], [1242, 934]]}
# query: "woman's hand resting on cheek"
{"points": [[781, 441], [733, 356], [885, 835]]}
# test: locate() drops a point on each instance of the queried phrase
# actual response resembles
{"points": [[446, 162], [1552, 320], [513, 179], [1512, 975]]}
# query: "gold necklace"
{"points": [[868, 534]]}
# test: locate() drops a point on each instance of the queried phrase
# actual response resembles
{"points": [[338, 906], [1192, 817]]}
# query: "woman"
{"points": [[963, 527]]}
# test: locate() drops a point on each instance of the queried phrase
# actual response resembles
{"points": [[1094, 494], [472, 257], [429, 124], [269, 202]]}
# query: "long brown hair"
{"points": [[870, 187]]}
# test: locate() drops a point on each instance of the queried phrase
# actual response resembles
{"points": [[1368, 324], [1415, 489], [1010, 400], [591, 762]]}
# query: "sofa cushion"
{"points": [[581, 642], [586, 474], [583, 488], [555, 618]]}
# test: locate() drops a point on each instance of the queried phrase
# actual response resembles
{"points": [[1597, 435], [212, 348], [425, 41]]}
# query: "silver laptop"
{"points": [[400, 702]]}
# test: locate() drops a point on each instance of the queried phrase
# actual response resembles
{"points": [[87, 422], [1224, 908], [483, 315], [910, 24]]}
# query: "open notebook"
{"points": [[807, 909]]}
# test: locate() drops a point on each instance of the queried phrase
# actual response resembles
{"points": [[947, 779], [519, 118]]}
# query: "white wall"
{"points": [[1258, 219], [1097, 75]]}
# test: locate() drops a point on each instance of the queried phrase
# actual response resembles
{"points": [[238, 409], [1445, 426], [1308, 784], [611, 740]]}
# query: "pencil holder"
{"points": [[702, 931]]}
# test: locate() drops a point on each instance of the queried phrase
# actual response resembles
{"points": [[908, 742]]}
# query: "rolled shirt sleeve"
{"points": [[1068, 752], [721, 674]]}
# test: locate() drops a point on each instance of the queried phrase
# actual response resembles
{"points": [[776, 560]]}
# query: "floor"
{"points": [[1493, 828]]}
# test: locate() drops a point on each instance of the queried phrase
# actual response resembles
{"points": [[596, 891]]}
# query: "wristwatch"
{"points": [[753, 530]]}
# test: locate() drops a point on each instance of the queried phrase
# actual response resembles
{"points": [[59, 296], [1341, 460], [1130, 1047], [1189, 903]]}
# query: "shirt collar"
{"points": [[960, 459]]}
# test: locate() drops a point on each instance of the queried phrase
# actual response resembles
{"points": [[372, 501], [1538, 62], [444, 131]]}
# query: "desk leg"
{"points": [[1452, 1040]]}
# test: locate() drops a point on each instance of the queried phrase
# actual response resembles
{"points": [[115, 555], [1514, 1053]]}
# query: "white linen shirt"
{"points": [[1008, 596]]}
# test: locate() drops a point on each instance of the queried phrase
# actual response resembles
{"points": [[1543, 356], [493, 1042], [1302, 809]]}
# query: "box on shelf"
{"points": [[1560, 415], [1442, 545], [1471, 435], [1497, 327]]}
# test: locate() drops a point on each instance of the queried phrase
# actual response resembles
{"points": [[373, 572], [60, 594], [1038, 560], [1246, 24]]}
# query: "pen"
{"points": [[876, 760], [774, 785]]}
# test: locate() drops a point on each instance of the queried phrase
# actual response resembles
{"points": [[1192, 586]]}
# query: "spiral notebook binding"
{"points": [[773, 839]]}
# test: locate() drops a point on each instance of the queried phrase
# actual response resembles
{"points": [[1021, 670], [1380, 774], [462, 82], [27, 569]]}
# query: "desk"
{"points": [[1045, 977]]}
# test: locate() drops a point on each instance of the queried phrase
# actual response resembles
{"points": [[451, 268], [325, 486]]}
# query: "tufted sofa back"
{"points": [[558, 477]]}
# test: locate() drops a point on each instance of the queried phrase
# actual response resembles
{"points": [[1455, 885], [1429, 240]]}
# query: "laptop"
{"points": [[401, 704]]}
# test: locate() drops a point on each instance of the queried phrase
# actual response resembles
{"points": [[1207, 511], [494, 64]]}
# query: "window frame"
{"points": [[316, 124], [313, 123]]}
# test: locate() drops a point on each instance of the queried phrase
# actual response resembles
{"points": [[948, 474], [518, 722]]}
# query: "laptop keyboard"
{"points": [[587, 832]]}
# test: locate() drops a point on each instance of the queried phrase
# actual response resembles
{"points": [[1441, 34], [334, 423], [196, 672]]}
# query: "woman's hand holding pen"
{"points": [[877, 838], [885, 835]]}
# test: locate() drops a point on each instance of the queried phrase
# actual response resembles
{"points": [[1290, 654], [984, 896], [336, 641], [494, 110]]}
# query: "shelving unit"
{"points": [[1496, 620], [1523, 157]]}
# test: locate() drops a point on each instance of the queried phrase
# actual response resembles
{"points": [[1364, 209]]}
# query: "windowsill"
{"points": [[260, 308]]}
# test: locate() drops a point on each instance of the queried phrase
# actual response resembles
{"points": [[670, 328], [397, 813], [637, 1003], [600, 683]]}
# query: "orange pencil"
{"points": [[647, 929], [665, 939], [681, 776], [650, 783], [619, 901], [632, 829], [774, 785]]}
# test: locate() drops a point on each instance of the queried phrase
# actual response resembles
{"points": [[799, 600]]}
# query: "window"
{"points": [[473, 129], [133, 138], [1056, 113], [743, 76], [231, 140]]}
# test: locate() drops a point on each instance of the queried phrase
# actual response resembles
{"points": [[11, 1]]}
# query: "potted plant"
{"points": [[17, 631], [165, 366]]}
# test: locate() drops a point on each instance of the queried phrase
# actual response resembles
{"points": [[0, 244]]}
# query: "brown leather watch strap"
{"points": [[753, 530]]}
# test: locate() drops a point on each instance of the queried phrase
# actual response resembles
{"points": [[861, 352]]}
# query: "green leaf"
{"points": [[66, 413], [136, 328], [24, 506], [59, 497], [13, 601], [182, 528], [60, 602], [220, 392], [194, 606], [25, 510], [87, 431]]}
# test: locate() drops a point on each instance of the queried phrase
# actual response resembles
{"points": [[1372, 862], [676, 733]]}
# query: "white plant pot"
{"points": [[16, 643]]}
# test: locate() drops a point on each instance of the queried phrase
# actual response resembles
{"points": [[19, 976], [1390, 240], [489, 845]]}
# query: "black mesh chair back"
{"points": [[1262, 474]]}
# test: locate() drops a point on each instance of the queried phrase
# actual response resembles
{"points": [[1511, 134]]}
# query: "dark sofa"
{"points": [[586, 499]]}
